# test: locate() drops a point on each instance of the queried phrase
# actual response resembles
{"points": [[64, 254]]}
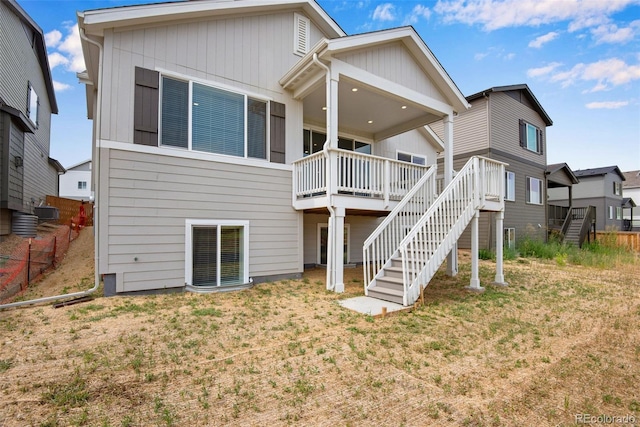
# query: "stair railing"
{"points": [[427, 244], [588, 220], [383, 242]]}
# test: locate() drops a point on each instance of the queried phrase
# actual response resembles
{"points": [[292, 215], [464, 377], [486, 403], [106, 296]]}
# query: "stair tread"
{"points": [[389, 279], [388, 291]]}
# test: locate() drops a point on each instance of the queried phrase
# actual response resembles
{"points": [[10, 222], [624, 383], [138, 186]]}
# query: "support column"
{"points": [[452, 258], [474, 285], [338, 249], [499, 280]]}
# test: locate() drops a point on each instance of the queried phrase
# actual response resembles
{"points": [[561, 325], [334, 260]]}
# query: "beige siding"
{"points": [[360, 227], [505, 115], [590, 187], [146, 198], [393, 62], [470, 129], [248, 53]]}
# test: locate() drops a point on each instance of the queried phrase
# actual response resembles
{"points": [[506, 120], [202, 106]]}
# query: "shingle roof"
{"points": [[632, 179], [599, 171], [522, 87]]}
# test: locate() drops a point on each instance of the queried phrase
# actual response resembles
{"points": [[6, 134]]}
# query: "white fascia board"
{"points": [[390, 89], [79, 164], [98, 20], [416, 46], [432, 137]]}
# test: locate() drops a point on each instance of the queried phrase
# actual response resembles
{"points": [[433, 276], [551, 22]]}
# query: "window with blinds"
{"points": [[218, 255], [222, 122]]}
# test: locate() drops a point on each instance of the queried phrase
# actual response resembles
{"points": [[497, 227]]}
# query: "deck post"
{"points": [[338, 249], [452, 258], [499, 280], [474, 284]]}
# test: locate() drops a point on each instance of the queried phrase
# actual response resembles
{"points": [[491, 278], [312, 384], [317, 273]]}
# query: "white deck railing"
{"points": [[356, 174], [383, 242], [427, 244]]}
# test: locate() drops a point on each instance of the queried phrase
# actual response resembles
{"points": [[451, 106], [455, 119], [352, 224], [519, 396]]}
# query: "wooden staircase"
{"points": [[573, 232], [398, 263]]}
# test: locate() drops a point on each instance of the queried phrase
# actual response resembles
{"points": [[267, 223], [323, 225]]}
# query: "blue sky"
{"points": [[581, 59]]}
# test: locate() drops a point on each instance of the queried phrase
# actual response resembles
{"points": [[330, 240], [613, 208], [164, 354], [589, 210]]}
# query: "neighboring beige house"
{"points": [[238, 142], [27, 100], [508, 124]]}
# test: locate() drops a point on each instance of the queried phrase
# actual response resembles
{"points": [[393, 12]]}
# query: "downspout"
{"points": [[96, 169], [325, 151]]}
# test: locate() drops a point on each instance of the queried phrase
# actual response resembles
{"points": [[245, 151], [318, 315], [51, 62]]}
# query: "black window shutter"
{"points": [[540, 141], [278, 141], [145, 107], [523, 133]]}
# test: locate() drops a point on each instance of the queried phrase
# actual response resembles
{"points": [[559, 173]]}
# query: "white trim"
{"points": [[193, 155], [347, 229], [188, 245], [512, 233], [528, 193]]}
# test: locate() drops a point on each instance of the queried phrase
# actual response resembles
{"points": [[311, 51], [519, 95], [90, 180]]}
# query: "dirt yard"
{"points": [[558, 343]]}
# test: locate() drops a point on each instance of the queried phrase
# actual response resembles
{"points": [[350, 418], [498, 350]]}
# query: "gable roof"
{"points": [[40, 49], [527, 92], [599, 171], [124, 16], [632, 179], [82, 163], [557, 167]]}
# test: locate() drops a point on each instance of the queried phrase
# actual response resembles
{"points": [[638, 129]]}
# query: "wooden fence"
{"points": [[628, 239], [70, 208]]}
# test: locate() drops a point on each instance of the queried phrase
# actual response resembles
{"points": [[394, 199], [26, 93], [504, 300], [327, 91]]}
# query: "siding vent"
{"points": [[301, 36]]}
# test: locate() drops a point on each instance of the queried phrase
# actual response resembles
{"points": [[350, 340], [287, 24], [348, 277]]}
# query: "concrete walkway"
{"points": [[371, 306]]}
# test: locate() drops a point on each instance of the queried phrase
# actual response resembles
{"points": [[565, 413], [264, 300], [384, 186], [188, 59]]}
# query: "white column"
{"points": [[474, 285], [452, 258], [499, 280], [338, 249]]}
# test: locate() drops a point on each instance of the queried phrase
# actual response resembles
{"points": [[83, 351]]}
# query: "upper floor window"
{"points": [[411, 158], [82, 185], [534, 191], [530, 137], [617, 188], [33, 104], [205, 118], [510, 186]]}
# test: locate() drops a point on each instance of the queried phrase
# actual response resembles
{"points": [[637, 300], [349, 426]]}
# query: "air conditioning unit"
{"points": [[47, 213]]}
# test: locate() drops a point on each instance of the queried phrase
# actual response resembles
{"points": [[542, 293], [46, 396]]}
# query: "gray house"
{"points": [[508, 124], [598, 187], [238, 142], [27, 100]]}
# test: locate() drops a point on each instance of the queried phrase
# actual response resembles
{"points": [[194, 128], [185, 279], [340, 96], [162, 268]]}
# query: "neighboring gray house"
{"points": [[27, 100], [631, 191], [598, 187], [508, 124], [76, 182], [238, 141]]}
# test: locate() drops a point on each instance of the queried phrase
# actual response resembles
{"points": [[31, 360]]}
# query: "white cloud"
{"points": [[495, 14], [611, 33], [384, 12], [56, 58], [610, 105], [60, 87], [539, 41], [480, 56], [52, 38], [543, 71], [418, 12], [509, 56], [67, 50], [607, 73]]}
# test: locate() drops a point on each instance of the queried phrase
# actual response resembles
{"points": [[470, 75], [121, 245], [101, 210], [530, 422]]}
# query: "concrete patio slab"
{"points": [[371, 306]]}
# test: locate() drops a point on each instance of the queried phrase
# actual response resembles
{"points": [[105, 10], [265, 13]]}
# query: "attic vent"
{"points": [[301, 36]]}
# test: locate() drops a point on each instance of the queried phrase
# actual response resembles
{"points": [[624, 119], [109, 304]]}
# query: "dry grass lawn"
{"points": [[559, 341]]}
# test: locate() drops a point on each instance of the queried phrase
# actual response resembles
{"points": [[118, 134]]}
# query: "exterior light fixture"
{"points": [[355, 89]]}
